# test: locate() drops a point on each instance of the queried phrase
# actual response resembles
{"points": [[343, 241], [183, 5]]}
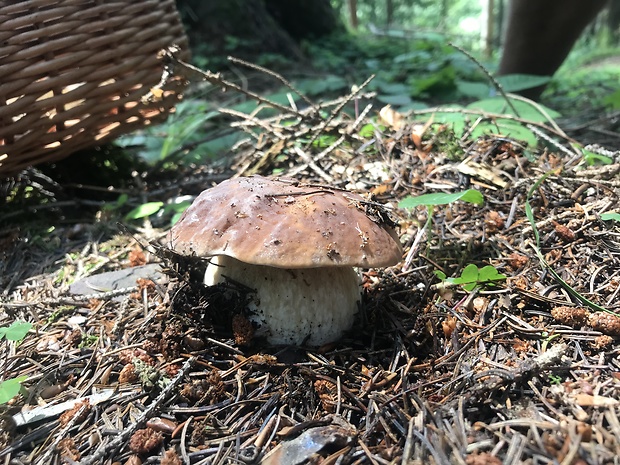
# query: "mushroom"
{"points": [[296, 245]]}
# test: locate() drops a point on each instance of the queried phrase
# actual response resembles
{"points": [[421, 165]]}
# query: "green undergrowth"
{"points": [[424, 75], [15, 332]]}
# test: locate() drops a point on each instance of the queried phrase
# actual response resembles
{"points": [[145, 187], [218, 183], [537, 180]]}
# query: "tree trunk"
{"points": [[613, 21], [501, 23], [304, 19], [489, 30], [247, 28], [389, 8], [352, 4]]}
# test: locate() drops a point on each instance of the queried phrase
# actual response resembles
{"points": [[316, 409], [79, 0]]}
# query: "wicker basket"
{"points": [[73, 73]]}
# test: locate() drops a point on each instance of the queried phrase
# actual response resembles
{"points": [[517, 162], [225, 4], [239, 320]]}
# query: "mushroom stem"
{"points": [[312, 305]]}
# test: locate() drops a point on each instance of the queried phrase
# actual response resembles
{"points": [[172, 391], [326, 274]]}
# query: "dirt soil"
{"points": [[516, 370]]}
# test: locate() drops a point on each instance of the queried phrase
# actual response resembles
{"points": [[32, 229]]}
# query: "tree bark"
{"points": [[248, 28], [613, 20], [389, 11], [304, 19], [352, 4], [540, 34], [489, 32]]}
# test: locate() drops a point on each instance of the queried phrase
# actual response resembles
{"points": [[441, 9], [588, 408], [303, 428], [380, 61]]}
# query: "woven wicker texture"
{"points": [[73, 73]]}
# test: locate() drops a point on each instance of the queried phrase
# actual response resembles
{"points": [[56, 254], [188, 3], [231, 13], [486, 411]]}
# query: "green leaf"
{"points": [[394, 88], [525, 110], [529, 213], [441, 198], [144, 210], [507, 128], [175, 218], [440, 275], [122, 200], [324, 140], [179, 207], [214, 147], [517, 82], [10, 388], [455, 119], [367, 131], [178, 134], [613, 100], [438, 81], [488, 273], [316, 86], [473, 89], [396, 100], [610, 216], [16, 331], [592, 158], [413, 106], [470, 287], [470, 274], [416, 55]]}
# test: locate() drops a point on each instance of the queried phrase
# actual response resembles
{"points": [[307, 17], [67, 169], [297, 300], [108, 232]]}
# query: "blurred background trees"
{"points": [[278, 26]]}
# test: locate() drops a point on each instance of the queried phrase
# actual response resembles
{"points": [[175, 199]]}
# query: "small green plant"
{"points": [[441, 198], [613, 100], [158, 208], [472, 277], [593, 158], [180, 134], [610, 216], [63, 309], [499, 116], [88, 341], [144, 210], [430, 201], [529, 213], [149, 376], [10, 388], [117, 205], [17, 331]]}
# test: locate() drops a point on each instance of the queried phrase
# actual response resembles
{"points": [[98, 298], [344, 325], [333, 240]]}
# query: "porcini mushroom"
{"points": [[295, 245]]}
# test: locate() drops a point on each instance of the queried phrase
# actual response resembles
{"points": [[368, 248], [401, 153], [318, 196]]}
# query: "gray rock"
{"points": [[114, 280]]}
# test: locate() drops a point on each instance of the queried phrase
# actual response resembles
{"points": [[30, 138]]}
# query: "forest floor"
{"points": [[517, 370]]}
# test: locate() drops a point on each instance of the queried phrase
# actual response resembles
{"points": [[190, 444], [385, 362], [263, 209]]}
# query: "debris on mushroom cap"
{"points": [[284, 224]]}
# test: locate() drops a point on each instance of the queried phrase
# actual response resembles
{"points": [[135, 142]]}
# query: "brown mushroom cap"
{"points": [[277, 223]]}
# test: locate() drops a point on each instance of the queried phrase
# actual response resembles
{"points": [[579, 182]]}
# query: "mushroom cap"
{"points": [[285, 225]]}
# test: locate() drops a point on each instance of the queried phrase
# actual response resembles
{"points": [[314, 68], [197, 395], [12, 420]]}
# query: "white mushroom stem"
{"points": [[315, 305]]}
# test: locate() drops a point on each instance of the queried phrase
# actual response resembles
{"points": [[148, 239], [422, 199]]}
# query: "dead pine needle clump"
{"points": [[494, 340]]}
